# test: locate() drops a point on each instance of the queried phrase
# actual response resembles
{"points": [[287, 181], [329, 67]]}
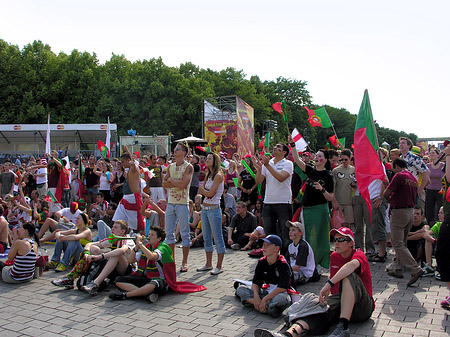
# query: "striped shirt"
{"points": [[23, 267]]}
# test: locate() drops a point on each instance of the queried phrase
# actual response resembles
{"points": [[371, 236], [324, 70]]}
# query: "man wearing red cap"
{"points": [[350, 285]]}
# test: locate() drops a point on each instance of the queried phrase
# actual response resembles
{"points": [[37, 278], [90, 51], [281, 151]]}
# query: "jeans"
{"points": [[282, 213], [180, 213], [70, 248], [103, 230], [276, 305], [212, 225]]}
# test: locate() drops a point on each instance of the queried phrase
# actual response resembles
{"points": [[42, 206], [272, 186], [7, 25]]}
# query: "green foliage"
{"points": [[148, 95]]}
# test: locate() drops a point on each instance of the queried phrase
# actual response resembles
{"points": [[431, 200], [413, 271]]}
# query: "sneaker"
{"points": [[91, 288], [438, 276], [204, 268], [52, 264], [446, 303], [235, 246], [64, 282], [118, 296], [428, 271], [395, 274], [267, 333], [216, 271], [61, 267], [153, 297], [256, 253], [415, 277], [339, 331]]}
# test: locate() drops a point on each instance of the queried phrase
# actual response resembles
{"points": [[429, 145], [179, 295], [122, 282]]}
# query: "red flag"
{"points": [[334, 140], [280, 107], [137, 154], [368, 166]]}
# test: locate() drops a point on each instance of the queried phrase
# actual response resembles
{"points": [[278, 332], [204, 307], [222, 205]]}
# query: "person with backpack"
{"points": [[116, 261]]}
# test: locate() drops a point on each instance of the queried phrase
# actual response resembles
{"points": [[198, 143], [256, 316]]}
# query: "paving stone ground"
{"points": [[41, 309]]}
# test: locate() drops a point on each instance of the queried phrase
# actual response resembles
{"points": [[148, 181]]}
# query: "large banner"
{"points": [[229, 126], [221, 136], [244, 128]]}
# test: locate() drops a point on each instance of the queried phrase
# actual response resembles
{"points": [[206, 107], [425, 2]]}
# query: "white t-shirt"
{"points": [[104, 183], [41, 180], [294, 259], [278, 192], [65, 212]]}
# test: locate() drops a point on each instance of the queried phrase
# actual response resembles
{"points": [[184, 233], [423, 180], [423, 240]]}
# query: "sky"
{"points": [[398, 50]]}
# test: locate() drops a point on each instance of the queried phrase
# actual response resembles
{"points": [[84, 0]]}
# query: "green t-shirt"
{"points": [[436, 228]]}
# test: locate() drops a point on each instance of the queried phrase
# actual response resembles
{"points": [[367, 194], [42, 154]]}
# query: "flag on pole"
{"points": [[319, 117], [300, 142], [342, 142], [47, 139], [280, 107], [108, 138], [334, 140], [50, 197], [368, 166], [103, 149], [264, 142]]}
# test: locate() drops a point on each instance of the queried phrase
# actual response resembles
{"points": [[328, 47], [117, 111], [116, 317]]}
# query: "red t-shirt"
{"points": [[404, 190], [337, 261]]}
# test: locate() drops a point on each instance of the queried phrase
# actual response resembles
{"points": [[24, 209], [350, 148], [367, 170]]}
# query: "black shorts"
{"points": [[161, 285]]}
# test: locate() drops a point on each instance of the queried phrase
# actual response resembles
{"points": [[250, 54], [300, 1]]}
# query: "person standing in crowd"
{"points": [[178, 180], [443, 242], [118, 181], [229, 176], [433, 200], [277, 207], [195, 183], [344, 179], [91, 180], [315, 214], [131, 203], [401, 194], [212, 189], [7, 179], [417, 167], [247, 184], [155, 184], [103, 171]]}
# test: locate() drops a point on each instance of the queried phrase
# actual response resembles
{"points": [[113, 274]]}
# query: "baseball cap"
{"points": [[344, 231], [273, 239], [446, 142], [43, 161], [299, 225]]}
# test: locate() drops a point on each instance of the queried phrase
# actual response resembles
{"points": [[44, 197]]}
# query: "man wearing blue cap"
{"points": [[268, 291]]}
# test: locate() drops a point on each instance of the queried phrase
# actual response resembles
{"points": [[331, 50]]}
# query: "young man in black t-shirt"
{"points": [[268, 292]]}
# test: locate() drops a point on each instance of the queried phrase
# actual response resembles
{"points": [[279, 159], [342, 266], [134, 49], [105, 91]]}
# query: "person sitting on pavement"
{"points": [[350, 285], [254, 238], [98, 209], [72, 242], [117, 259], [273, 270], [300, 254], [241, 227], [64, 220], [155, 272], [22, 255], [415, 239], [430, 243]]}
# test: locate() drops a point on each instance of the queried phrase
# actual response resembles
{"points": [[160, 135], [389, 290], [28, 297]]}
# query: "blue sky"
{"points": [[398, 50]]}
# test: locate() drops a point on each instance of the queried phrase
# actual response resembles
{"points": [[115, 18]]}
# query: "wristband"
{"points": [[103, 256], [292, 145], [323, 190], [330, 283]]}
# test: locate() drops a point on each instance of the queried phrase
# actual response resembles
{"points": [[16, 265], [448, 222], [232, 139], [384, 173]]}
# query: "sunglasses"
{"points": [[342, 239]]}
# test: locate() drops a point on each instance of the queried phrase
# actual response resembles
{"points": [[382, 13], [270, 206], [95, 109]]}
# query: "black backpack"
{"points": [[91, 273]]}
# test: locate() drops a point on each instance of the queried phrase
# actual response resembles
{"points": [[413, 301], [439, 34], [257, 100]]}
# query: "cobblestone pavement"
{"points": [[41, 309]]}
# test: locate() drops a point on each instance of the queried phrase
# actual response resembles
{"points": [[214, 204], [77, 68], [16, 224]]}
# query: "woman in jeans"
{"points": [[212, 189], [433, 200], [72, 242]]}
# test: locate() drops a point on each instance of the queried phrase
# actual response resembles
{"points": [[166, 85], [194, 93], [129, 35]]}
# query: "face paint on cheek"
{"points": [[320, 160]]}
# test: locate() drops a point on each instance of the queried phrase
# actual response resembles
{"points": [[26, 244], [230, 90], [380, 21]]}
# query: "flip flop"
{"points": [[244, 249], [183, 269]]}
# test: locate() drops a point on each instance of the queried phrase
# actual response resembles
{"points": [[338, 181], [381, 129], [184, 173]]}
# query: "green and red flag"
{"points": [[280, 107], [50, 197], [368, 166], [334, 140], [104, 151], [319, 117], [342, 142], [264, 142], [206, 149]]}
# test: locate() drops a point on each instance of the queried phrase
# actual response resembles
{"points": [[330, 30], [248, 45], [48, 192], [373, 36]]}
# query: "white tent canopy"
{"points": [[29, 138]]}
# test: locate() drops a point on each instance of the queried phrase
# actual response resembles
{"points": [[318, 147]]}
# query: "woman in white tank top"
{"points": [[212, 189]]}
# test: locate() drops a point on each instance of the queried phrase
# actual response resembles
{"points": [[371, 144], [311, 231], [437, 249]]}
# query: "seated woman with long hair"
{"points": [[22, 256], [72, 242]]}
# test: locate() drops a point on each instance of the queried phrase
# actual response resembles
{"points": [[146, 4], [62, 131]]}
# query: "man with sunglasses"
{"points": [[350, 286], [178, 181]]}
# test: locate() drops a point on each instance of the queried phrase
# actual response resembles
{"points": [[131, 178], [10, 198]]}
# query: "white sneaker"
{"points": [[216, 271], [235, 246]]}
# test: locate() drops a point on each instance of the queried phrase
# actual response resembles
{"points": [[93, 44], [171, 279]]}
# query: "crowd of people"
{"points": [[130, 212]]}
